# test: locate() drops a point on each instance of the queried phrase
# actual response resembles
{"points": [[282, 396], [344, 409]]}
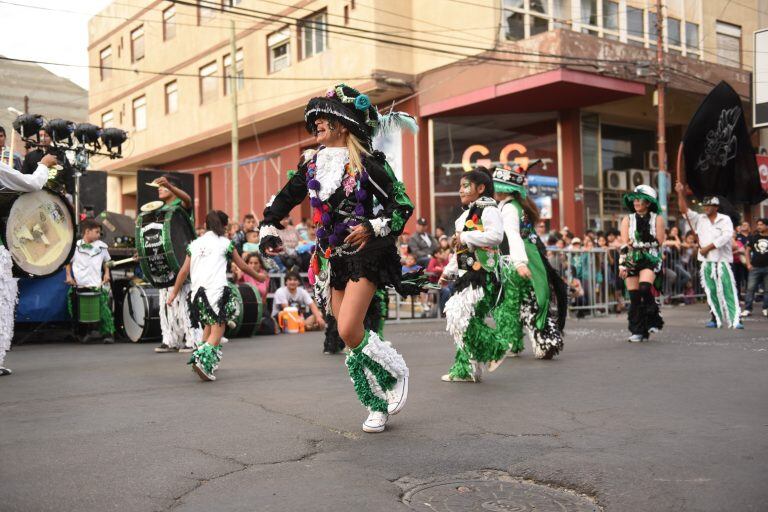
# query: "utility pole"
{"points": [[662, 118], [235, 131]]}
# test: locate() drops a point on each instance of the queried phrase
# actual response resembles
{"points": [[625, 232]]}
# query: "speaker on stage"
{"points": [[93, 191], [145, 193]]}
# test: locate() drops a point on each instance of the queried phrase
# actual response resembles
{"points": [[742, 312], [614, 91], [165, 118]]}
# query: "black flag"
{"points": [[719, 157]]}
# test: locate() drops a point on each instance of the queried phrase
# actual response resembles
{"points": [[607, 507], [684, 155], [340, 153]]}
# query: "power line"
{"points": [[164, 73], [266, 16]]}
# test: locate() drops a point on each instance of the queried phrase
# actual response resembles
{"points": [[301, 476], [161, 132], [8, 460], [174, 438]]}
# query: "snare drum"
{"points": [[248, 311], [141, 313], [162, 237], [88, 305], [38, 229]]}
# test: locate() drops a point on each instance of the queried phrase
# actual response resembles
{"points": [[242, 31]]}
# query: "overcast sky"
{"points": [[55, 31]]}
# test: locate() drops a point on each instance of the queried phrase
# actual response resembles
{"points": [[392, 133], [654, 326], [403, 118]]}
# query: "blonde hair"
{"points": [[356, 152]]}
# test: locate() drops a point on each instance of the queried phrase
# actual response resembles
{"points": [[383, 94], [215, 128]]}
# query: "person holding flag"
{"points": [[715, 232]]}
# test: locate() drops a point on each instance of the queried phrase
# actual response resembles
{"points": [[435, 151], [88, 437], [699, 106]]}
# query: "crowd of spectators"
{"points": [[588, 264]]}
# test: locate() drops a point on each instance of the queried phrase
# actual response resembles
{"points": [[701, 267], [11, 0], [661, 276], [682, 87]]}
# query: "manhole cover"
{"points": [[496, 495]]}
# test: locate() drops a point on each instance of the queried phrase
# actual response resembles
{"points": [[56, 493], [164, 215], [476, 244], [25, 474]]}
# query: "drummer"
{"points": [[88, 269], [11, 179], [178, 333]]}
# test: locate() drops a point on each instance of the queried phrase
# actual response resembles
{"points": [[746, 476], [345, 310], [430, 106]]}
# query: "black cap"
{"points": [[421, 221]]}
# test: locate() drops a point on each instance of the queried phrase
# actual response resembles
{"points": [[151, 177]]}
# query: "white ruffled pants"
{"points": [[174, 320], [8, 298]]}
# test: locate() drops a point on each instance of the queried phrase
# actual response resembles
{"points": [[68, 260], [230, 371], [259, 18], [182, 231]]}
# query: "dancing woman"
{"points": [[479, 231], [527, 279], [642, 235], [355, 253]]}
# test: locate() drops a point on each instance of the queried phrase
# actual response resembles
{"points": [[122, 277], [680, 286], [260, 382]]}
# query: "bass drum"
{"points": [[248, 312], [141, 313], [162, 237], [38, 229]]}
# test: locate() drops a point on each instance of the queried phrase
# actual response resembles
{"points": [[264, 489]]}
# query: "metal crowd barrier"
{"points": [[592, 276]]}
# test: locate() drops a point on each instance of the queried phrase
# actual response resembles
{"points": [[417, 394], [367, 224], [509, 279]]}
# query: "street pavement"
{"points": [[679, 423]]}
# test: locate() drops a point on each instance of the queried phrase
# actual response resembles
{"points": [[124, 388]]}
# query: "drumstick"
{"points": [[115, 263], [152, 184]]}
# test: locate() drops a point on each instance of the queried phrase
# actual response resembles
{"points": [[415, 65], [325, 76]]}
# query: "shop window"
{"points": [[313, 35], [137, 44], [171, 97], [239, 71], [105, 63], [209, 89], [108, 119], [728, 44], [461, 143], [140, 113], [279, 48], [169, 23]]}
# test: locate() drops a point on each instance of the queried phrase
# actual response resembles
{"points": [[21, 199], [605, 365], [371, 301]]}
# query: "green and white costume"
{"points": [[476, 291], [87, 269], [715, 271], [526, 302], [212, 301]]}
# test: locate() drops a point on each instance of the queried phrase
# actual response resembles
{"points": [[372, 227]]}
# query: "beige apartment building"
{"points": [[567, 81]]}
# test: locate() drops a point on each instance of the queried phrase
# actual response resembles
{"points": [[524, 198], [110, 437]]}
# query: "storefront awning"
{"points": [[560, 89]]}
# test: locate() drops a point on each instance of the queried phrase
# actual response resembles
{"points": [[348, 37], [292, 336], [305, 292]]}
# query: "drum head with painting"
{"points": [[40, 232]]}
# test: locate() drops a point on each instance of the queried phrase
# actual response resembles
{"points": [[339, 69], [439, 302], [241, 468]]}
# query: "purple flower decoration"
{"points": [[313, 184], [330, 93], [315, 202], [320, 232], [364, 177], [333, 240], [361, 194], [359, 210], [339, 229], [325, 219]]}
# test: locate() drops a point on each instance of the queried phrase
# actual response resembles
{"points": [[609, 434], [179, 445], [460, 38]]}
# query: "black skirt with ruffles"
{"points": [[378, 262]]}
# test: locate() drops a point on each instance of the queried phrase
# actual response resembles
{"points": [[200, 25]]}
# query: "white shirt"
{"points": [[491, 236], [719, 233], [283, 297], [511, 219], [209, 255], [88, 263], [14, 180]]}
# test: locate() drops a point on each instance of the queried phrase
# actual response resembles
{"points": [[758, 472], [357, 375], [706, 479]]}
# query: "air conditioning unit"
{"points": [[639, 177], [616, 180], [652, 160]]}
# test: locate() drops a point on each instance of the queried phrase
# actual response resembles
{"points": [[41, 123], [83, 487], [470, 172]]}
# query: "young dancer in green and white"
{"points": [[475, 264], [528, 281], [212, 302]]}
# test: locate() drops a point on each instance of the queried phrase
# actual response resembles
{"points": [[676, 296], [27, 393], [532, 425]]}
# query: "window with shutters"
{"points": [[728, 44]]}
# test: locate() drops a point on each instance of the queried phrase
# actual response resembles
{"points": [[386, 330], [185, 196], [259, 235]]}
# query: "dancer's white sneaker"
{"points": [[397, 396], [376, 422], [493, 365], [450, 378], [635, 338]]}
